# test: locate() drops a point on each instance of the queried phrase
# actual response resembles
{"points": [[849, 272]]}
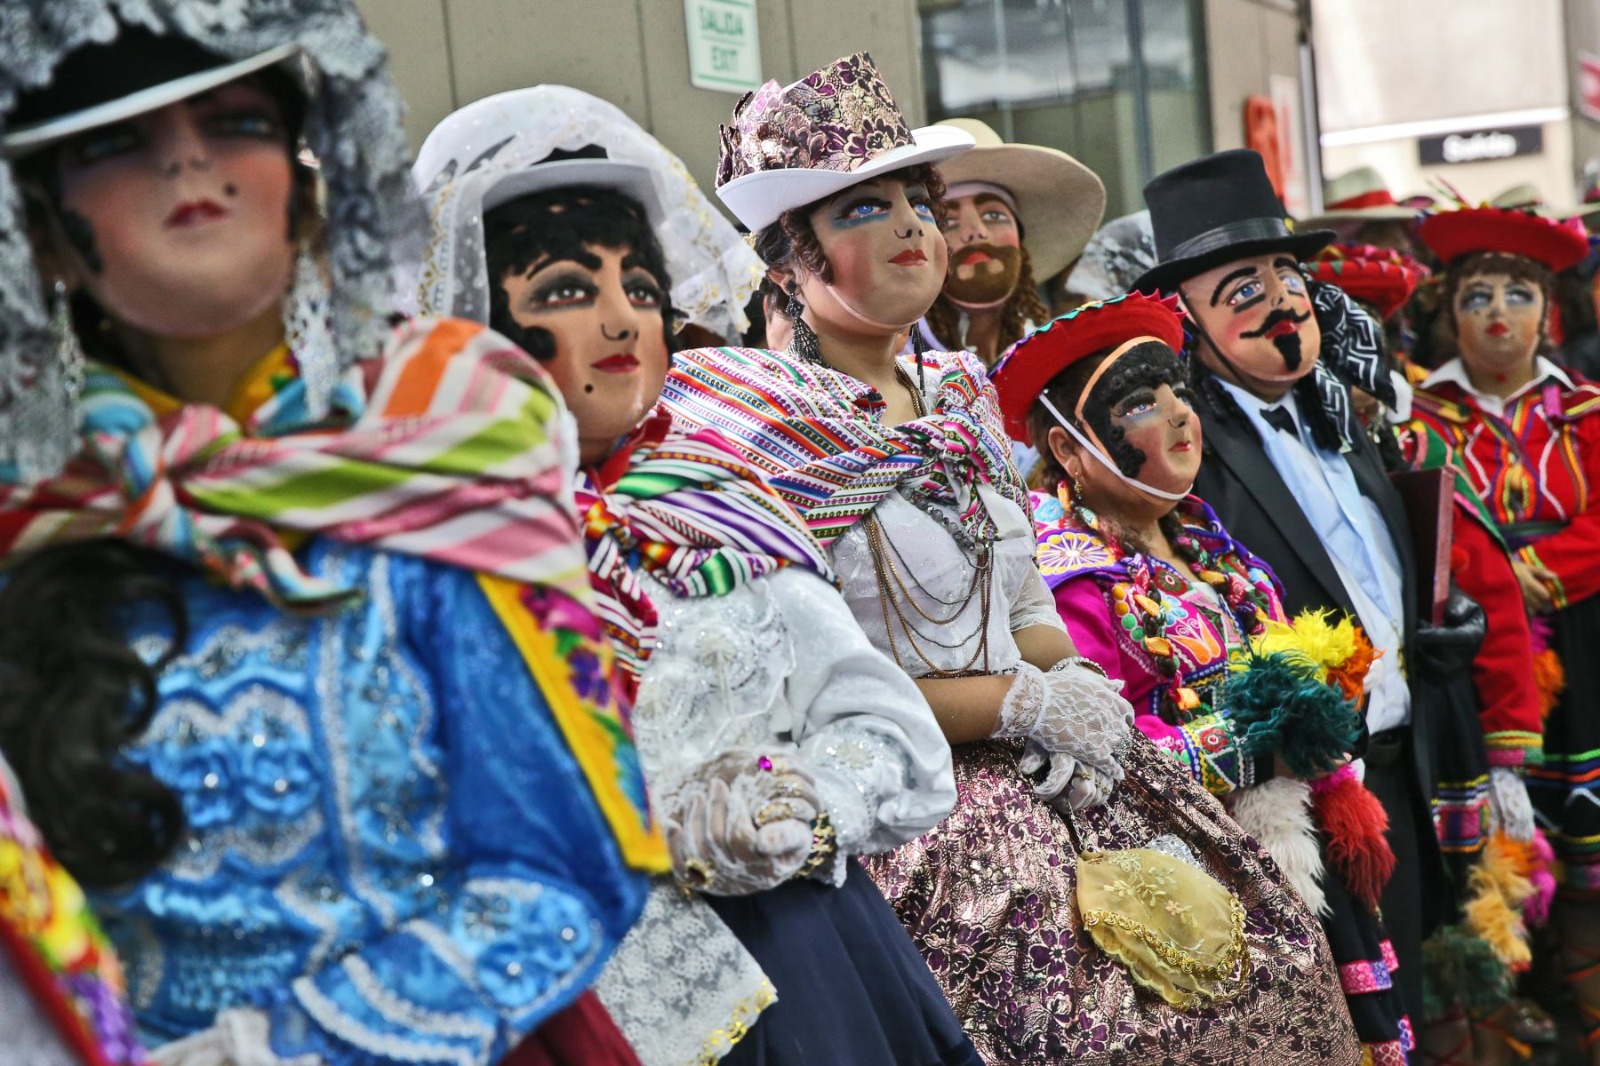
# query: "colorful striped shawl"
{"points": [[690, 510], [450, 455], [818, 434]]}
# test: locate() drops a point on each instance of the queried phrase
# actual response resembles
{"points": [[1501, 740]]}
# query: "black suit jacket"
{"points": [[1255, 504]]}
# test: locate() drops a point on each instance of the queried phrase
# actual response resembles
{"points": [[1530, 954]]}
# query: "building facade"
{"points": [[1129, 86]]}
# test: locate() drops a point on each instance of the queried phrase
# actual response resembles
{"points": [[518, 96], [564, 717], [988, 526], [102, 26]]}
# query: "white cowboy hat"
{"points": [[1359, 195], [1060, 200], [836, 127]]}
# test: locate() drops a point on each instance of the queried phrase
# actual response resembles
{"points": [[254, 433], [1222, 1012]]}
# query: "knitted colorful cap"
{"points": [[1029, 365], [1381, 277], [1555, 242]]}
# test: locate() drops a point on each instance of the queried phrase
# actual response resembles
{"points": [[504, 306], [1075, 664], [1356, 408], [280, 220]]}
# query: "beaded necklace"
{"points": [[1139, 601]]}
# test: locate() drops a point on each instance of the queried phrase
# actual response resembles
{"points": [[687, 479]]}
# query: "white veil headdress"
{"points": [[496, 142]]}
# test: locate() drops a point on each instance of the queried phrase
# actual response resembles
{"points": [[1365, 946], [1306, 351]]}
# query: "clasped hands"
{"points": [[740, 823], [1075, 725]]}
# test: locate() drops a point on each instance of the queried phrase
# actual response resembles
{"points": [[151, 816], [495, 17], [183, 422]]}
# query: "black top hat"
{"points": [[1214, 210]]}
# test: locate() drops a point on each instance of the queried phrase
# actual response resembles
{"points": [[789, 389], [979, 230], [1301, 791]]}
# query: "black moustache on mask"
{"points": [[1288, 344]]}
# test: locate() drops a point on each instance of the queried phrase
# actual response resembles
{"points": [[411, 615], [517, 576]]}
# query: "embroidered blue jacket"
{"points": [[391, 849]]}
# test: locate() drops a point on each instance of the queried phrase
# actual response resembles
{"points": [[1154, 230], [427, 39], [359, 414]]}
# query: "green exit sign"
{"points": [[724, 51]]}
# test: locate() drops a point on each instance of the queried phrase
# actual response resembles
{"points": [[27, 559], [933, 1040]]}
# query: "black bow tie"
{"points": [[1280, 418]]}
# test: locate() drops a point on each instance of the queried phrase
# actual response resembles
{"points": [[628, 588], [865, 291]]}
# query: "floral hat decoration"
{"points": [[1381, 277], [1028, 366], [793, 145]]}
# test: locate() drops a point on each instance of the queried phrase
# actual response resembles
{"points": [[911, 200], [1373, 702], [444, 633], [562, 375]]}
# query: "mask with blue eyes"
{"points": [[1126, 388], [1258, 315]]}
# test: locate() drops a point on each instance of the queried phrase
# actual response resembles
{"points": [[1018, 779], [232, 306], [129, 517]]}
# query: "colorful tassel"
{"points": [[1355, 823], [1460, 970], [1496, 893], [1550, 678], [1280, 704], [1540, 873]]}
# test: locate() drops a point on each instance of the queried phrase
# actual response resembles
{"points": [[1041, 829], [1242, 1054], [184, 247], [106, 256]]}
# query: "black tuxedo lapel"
{"points": [[1231, 440]]}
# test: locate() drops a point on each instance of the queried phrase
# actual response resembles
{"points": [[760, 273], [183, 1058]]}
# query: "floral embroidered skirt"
{"points": [[989, 898]]}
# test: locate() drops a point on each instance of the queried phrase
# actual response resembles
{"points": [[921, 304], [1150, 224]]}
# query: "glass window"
{"points": [[1117, 83]]}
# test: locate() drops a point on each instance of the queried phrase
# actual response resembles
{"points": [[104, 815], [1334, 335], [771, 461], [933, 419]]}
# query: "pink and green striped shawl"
{"points": [[819, 436]]}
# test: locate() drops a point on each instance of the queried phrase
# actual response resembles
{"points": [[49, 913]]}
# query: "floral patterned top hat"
{"points": [[836, 127]]}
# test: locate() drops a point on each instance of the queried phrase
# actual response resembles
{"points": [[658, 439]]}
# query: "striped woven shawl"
{"points": [[818, 434], [690, 510], [444, 447]]}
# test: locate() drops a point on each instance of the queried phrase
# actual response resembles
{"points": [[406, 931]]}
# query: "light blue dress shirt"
{"points": [[1357, 540]]}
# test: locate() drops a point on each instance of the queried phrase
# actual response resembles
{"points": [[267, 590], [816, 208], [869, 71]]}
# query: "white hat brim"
{"points": [[758, 199], [1061, 201], [27, 139], [1379, 213], [629, 178]]}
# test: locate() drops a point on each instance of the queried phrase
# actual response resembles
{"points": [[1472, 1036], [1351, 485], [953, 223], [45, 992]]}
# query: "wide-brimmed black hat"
{"points": [[1214, 210], [135, 73]]}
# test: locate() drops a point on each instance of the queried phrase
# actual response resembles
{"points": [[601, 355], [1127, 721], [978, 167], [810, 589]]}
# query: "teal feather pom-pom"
{"points": [[1280, 705]]}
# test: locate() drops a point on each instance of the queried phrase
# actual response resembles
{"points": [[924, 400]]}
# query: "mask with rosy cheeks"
{"points": [[602, 315], [985, 245], [1139, 429], [887, 259], [1499, 321], [1258, 317], [179, 218]]}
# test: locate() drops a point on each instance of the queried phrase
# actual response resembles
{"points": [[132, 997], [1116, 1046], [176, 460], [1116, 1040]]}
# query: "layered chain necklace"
{"points": [[892, 570]]}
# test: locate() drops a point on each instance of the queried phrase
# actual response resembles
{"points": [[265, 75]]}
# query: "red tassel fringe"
{"points": [[1355, 824]]}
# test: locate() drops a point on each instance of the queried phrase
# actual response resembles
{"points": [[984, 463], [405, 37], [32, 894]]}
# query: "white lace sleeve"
{"points": [[866, 734], [1032, 604]]}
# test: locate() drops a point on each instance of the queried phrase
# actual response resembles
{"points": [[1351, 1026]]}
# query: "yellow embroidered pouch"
{"points": [[1175, 927]]}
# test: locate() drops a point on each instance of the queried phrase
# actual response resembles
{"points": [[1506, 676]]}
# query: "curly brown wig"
{"points": [[1023, 307]]}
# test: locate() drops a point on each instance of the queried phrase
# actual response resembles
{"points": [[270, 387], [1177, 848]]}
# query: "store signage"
{"points": [[1589, 85], [724, 50], [1478, 146]]}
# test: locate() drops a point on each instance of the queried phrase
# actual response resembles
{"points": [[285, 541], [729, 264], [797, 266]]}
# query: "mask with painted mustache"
{"points": [[982, 275], [1282, 327]]}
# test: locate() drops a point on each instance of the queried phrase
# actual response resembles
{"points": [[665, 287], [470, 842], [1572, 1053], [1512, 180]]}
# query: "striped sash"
{"points": [[690, 510], [450, 454]]}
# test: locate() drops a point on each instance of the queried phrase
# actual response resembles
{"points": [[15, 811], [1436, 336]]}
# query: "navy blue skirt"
{"points": [[852, 989]]}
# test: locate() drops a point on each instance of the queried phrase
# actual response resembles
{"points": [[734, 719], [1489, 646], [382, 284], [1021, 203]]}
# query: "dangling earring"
{"points": [[309, 333], [68, 349], [803, 339]]}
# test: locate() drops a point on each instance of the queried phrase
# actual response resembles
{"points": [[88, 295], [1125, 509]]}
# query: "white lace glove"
{"points": [[1085, 786], [1509, 806], [237, 1037], [741, 823], [1075, 719]]}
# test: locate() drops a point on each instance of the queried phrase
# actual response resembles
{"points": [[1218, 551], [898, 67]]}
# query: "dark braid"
{"points": [[73, 694]]}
